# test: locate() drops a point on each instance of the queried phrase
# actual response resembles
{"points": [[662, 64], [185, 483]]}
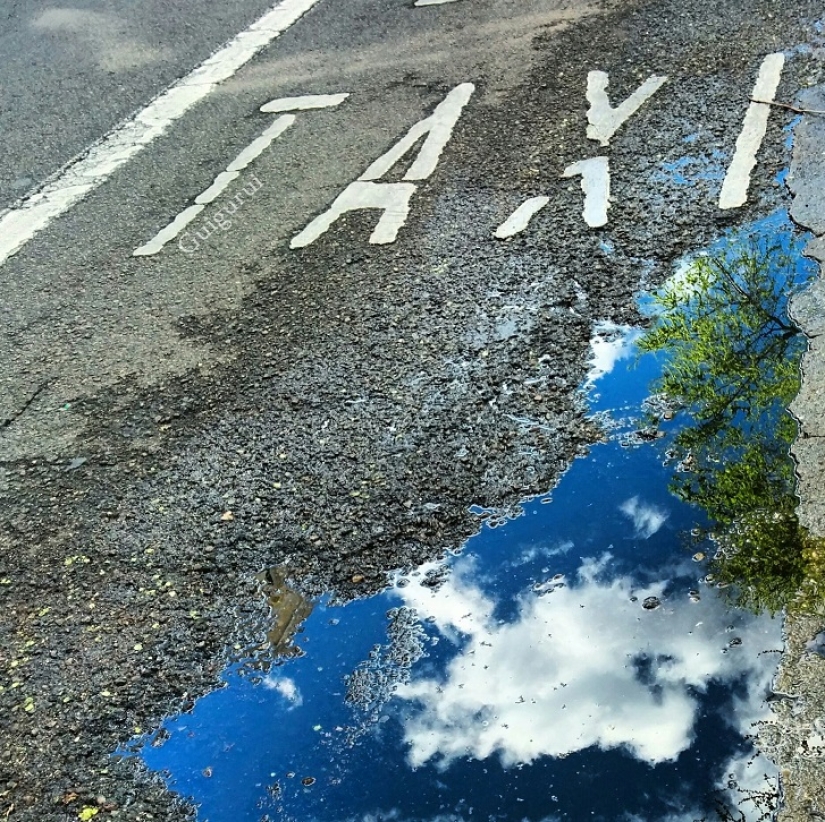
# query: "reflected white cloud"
{"points": [[286, 687], [395, 815], [609, 344], [647, 519], [581, 666], [530, 553], [750, 783]]}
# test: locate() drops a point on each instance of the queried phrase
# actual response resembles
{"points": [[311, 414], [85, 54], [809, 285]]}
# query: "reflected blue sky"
{"points": [[532, 684], [570, 663]]}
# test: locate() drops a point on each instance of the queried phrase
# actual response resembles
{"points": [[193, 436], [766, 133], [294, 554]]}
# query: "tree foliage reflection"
{"points": [[733, 365]]}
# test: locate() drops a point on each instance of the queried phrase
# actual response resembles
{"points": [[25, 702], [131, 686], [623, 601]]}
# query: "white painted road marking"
{"points": [[438, 127], [393, 199], [260, 144], [604, 121], [233, 170], [595, 174], [603, 118], [219, 185], [738, 179], [219, 219], [432, 2], [82, 175], [520, 218], [305, 103]]}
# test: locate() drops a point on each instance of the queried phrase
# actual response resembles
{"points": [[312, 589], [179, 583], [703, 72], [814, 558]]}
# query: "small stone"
{"points": [[651, 603], [357, 578], [227, 516]]}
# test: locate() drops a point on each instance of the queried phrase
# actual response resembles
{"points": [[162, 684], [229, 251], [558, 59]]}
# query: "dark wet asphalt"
{"points": [[335, 408]]}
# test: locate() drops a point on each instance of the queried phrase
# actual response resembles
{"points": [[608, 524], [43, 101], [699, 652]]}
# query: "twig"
{"points": [[25, 407], [794, 109]]}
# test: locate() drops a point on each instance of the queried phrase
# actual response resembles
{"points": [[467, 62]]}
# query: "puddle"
{"points": [[572, 663]]}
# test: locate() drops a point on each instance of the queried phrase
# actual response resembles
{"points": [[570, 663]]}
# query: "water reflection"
{"points": [[567, 665], [289, 610], [581, 663], [732, 363]]}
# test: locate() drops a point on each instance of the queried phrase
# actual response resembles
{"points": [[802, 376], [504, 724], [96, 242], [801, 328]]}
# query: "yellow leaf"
{"points": [[87, 813]]}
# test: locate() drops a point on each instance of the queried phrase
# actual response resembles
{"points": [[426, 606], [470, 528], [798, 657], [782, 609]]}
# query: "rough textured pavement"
{"points": [[799, 746], [172, 425]]}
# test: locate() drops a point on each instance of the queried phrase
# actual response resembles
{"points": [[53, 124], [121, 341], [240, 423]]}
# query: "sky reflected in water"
{"points": [[568, 664]]}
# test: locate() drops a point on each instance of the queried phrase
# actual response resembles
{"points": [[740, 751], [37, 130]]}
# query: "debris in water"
{"points": [[817, 644]]}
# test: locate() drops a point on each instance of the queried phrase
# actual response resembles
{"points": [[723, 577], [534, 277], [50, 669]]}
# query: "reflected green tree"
{"points": [[732, 363]]}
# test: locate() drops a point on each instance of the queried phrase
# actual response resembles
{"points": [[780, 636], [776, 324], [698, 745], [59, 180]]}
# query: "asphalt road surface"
{"points": [[297, 285]]}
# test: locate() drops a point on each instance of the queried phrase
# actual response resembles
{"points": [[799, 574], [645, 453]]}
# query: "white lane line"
{"points": [[432, 2], [738, 179], [393, 199], [605, 120], [520, 218], [85, 173], [595, 174]]}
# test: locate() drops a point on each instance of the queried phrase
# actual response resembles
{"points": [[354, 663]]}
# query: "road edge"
{"points": [[798, 747]]}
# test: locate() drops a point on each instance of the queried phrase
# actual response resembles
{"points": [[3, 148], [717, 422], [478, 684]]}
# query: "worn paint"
{"points": [[604, 120], [218, 186], [393, 199], [520, 218], [738, 179], [304, 103], [83, 175], [438, 128], [595, 174]]}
